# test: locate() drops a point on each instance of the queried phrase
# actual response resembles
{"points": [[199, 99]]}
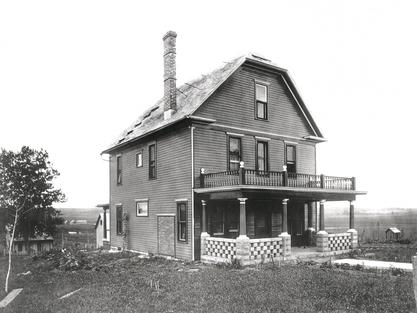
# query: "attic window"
{"points": [[261, 101]]}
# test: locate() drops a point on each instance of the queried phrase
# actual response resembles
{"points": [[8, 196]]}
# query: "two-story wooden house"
{"points": [[224, 167]]}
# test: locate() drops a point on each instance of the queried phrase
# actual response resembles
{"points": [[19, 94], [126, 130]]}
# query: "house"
{"points": [[392, 233], [224, 167], [102, 228], [36, 244]]}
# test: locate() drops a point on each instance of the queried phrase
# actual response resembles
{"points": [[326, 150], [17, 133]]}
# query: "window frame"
{"points": [[180, 222], [140, 152], [266, 156], [294, 146], [229, 137], [137, 201], [263, 103], [119, 169], [152, 163], [119, 227]]}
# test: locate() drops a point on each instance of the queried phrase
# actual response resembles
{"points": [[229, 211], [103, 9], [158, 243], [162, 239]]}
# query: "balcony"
{"points": [[250, 177]]}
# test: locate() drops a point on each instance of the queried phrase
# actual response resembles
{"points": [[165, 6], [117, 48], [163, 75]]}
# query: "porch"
{"points": [[259, 217]]}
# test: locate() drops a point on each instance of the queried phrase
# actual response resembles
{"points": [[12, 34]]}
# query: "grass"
{"points": [[128, 285], [391, 252]]}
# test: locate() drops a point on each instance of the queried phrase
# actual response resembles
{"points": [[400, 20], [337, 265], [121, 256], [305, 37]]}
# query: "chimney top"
{"points": [[169, 33]]}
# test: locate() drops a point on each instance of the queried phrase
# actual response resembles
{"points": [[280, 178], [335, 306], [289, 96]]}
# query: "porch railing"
{"points": [[245, 176]]}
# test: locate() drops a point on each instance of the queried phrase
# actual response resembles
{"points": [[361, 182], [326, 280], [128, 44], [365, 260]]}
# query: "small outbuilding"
{"points": [[35, 245], [392, 233]]}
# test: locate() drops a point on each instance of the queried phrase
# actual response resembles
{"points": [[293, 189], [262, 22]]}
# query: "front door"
{"points": [[166, 235]]}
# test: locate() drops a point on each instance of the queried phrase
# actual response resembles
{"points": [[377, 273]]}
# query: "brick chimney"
{"points": [[170, 80]]}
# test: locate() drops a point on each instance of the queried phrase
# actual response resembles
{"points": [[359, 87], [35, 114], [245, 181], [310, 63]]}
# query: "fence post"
{"points": [[242, 173], [202, 174]]}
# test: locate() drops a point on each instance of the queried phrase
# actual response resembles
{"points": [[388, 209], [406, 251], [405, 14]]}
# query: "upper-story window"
{"points": [[119, 169], [261, 102], [152, 162], [262, 156], [139, 159], [235, 153], [291, 159]]}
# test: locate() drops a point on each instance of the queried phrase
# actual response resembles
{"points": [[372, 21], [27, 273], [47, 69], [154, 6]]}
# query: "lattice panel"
{"points": [[339, 242], [220, 248], [266, 249]]}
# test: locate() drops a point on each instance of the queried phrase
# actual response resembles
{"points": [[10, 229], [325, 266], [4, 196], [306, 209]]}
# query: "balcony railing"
{"points": [[251, 177]]}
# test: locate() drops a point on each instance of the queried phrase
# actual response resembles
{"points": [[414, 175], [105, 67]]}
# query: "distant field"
{"points": [[373, 226]]}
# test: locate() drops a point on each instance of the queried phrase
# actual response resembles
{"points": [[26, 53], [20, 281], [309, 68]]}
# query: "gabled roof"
{"points": [[192, 95]]}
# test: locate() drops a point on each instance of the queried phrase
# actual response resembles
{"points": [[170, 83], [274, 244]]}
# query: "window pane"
{"points": [[139, 159], [183, 233], [183, 212], [260, 110], [290, 154], [261, 93], [261, 150], [142, 208], [235, 145], [152, 153]]}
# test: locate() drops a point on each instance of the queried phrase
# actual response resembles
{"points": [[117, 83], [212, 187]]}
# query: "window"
{"points": [[139, 159], [119, 169], [182, 221], [152, 162], [262, 156], [261, 102], [142, 207], [119, 219], [290, 158], [234, 153]]}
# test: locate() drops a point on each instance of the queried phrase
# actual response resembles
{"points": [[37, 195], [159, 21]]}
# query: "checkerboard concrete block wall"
{"points": [[339, 242], [265, 248], [221, 247]]}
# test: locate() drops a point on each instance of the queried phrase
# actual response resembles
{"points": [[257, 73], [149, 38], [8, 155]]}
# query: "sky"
{"points": [[75, 74]]}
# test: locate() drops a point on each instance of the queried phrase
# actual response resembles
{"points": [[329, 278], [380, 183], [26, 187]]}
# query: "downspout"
{"points": [[192, 193]]}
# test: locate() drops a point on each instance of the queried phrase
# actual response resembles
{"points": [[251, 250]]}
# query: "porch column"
{"points": [[204, 216], [286, 238], [242, 217], [353, 232], [321, 228], [204, 234], [284, 216], [310, 229], [322, 237], [351, 215], [243, 241]]}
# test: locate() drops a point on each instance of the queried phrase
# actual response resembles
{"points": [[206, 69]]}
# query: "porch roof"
{"points": [[258, 192]]}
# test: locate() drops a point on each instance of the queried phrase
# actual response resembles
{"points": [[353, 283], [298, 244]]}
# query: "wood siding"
{"points": [[233, 104], [173, 182]]}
